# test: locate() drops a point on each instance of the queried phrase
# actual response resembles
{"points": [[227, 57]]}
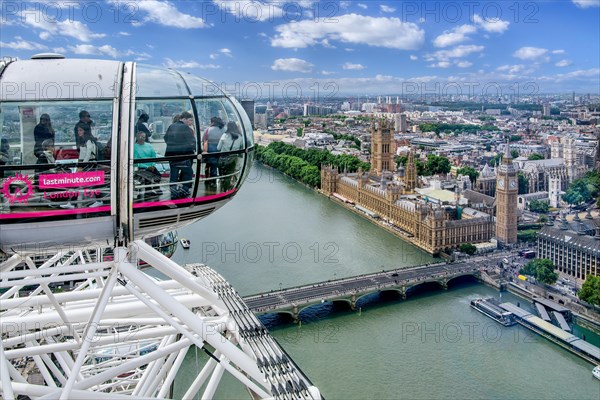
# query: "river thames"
{"points": [[276, 233]]}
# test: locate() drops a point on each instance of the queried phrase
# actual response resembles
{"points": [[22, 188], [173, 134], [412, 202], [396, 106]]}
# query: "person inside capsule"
{"points": [[231, 140], [41, 132], [146, 173], [211, 138], [84, 119], [181, 141]]}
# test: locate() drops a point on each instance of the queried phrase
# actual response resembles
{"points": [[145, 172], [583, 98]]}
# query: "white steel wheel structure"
{"points": [[79, 319]]}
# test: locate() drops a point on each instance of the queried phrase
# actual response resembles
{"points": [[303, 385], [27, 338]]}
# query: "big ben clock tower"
{"points": [[507, 189]]}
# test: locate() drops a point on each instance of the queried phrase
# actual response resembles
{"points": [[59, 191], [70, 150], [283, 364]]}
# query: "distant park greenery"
{"points": [[590, 290], [497, 159], [305, 165], [456, 128], [535, 156], [542, 270], [434, 165], [527, 235], [468, 248], [515, 138], [471, 172], [538, 206], [339, 136], [584, 189]]}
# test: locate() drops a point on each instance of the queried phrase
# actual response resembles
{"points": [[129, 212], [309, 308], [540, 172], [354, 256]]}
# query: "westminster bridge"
{"points": [[349, 290]]}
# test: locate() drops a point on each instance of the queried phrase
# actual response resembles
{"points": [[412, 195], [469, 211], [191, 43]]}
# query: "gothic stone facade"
{"points": [[431, 228]]}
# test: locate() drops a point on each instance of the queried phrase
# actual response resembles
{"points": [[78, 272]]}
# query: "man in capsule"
{"points": [[181, 141]]}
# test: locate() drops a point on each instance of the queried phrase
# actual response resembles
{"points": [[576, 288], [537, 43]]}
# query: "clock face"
{"points": [[513, 184], [501, 184]]}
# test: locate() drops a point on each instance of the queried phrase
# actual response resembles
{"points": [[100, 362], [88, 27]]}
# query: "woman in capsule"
{"points": [[86, 143]]}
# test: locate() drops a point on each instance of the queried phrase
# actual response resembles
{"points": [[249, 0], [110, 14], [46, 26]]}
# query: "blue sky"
{"points": [[358, 47]]}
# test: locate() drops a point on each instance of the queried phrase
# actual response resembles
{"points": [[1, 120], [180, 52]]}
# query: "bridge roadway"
{"points": [[352, 288]]}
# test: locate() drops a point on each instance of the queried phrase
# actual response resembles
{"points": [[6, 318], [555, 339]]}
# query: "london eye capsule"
{"points": [[94, 151]]}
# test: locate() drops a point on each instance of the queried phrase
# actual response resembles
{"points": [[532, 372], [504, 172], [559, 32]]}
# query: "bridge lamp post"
{"points": [[280, 286]]}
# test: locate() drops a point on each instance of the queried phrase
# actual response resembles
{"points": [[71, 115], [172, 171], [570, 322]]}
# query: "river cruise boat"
{"points": [[490, 308], [596, 372]]}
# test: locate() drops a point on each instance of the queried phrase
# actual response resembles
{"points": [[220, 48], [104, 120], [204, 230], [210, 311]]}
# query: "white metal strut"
{"points": [[117, 332]]}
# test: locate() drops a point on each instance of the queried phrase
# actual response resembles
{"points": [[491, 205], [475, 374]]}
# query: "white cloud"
{"points": [[188, 64], [386, 9], [454, 36], [563, 63], [559, 51], [292, 65], [49, 27], [464, 64], [441, 64], [327, 73], [89, 49], [511, 69], [354, 67], [456, 52], [363, 6], [530, 53], [223, 51], [252, 10], [374, 31], [494, 25], [586, 3], [20, 44], [413, 57], [164, 13], [124, 34]]}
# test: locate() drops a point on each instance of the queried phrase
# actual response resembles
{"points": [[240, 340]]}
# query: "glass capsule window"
{"points": [[56, 156]]}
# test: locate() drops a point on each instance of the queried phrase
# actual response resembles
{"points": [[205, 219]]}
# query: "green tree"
{"points": [[583, 189], [514, 153], [523, 184], [542, 270], [437, 165], [590, 290], [471, 172], [495, 160], [538, 206], [542, 219], [535, 156], [488, 147], [468, 248], [514, 138], [299, 132]]}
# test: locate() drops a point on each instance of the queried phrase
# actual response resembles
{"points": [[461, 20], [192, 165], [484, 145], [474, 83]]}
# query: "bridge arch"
{"points": [[461, 279], [423, 287], [379, 295]]}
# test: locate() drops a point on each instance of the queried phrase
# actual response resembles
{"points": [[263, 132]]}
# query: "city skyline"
{"points": [[307, 49]]}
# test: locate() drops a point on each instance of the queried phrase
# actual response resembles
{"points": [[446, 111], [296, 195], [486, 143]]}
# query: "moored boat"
{"points": [[185, 243]]}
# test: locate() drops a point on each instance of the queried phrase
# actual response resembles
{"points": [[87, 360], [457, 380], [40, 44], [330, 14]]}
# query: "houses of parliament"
{"points": [[432, 218]]}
